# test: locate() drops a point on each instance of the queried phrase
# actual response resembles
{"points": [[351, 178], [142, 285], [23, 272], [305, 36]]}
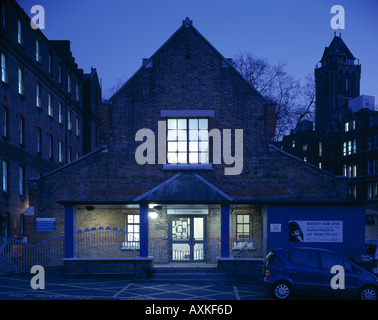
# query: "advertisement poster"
{"points": [[315, 231]]}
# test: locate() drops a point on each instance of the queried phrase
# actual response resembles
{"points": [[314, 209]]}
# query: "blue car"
{"points": [[316, 271]]}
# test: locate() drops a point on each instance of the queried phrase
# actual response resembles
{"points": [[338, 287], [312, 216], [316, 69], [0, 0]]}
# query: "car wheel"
{"points": [[368, 293], [282, 290]]}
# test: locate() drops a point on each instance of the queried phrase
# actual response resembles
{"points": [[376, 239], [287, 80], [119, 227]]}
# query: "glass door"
{"points": [[187, 238]]}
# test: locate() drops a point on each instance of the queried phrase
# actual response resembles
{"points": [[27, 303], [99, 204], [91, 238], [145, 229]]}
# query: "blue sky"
{"points": [[114, 35]]}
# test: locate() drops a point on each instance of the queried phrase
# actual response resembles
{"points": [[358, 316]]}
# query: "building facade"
{"points": [[188, 172], [344, 140], [49, 112]]}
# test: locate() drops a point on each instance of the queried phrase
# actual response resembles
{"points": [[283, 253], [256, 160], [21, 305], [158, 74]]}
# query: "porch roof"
{"points": [[185, 187]]}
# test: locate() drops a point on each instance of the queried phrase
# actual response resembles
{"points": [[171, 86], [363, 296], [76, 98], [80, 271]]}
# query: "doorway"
{"points": [[187, 238]]}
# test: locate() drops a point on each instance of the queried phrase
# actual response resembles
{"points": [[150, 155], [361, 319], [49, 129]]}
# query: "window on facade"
{"points": [[77, 92], [132, 228], [304, 147], [77, 156], [346, 126], [51, 146], [21, 131], [39, 140], [60, 151], [352, 190], [38, 96], [50, 105], [50, 63], [60, 75], [5, 176], [19, 32], [37, 51], [77, 126], [187, 141], [4, 75], [5, 122], [60, 112], [69, 154], [243, 227], [20, 81], [373, 190], [21, 180], [320, 149], [349, 147], [69, 120], [293, 144]]}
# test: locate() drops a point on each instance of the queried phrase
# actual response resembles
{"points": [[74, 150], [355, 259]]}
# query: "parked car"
{"points": [[372, 250], [308, 270]]}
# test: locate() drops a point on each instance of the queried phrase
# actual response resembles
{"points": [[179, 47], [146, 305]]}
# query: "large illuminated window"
{"points": [[187, 141]]}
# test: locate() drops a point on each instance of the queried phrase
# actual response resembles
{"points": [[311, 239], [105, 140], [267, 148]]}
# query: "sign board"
{"points": [[315, 231], [275, 227], [188, 211], [45, 224]]}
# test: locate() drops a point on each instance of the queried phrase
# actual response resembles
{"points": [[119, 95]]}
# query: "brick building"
{"points": [[344, 141], [163, 175], [49, 111]]}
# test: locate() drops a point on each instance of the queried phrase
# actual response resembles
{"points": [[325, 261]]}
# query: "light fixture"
{"points": [[153, 214]]}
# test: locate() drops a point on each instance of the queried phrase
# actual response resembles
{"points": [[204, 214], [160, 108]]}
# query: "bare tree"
{"points": [[295, 100]]}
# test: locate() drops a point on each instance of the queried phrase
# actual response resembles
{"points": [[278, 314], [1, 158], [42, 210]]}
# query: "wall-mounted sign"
{"points": [[45, 224], [315, 231], [275, 227], [188, 211]]}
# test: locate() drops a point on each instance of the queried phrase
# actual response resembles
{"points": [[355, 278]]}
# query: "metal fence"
{"points": [[106, 243], [23, 256], [163, 253]]}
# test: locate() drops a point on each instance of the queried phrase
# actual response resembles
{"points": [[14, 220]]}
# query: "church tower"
{"points": [[337, 81]]}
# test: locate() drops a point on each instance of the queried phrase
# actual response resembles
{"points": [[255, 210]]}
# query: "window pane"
{"points": [[172, 135], [204, 158], [136, 218], [181, 123], [203, 124], [172, 123], [130, 218], [203, 146], [181, 157], [203, 135], [246, 218], [193, 157], [193, 134], [239, 218], [181, 146], [193, 146], [172, 157], [193, 123], [172, 146], [181, 135]]}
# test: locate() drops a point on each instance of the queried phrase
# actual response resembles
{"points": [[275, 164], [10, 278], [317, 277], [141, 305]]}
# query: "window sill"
{"points": [[208, 166]]}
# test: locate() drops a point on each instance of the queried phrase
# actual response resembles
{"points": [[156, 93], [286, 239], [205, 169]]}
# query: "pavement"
{"points": [[57, 287]]}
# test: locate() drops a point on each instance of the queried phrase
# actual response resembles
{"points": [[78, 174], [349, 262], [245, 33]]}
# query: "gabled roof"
{"points": [[187, 23], [336, 48], [185, 187]]}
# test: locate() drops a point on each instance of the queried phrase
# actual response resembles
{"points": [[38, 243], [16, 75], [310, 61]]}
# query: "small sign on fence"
{"points": [[45, 224]]}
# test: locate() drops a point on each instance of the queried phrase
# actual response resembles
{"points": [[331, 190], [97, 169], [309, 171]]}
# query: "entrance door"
{"points": [[187, 238]]}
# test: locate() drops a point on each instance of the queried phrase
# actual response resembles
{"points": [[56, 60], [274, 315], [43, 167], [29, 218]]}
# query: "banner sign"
{"points": [[45, 224], [315, 231]]}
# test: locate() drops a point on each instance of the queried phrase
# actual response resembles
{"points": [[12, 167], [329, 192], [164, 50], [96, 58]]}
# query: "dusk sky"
{"points": [[115, 35]]}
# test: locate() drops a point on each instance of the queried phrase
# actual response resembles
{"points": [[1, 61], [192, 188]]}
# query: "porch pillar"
{"points": [[225, 231], [69, 231], [143, 220]]}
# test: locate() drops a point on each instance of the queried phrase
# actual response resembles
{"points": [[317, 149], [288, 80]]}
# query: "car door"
{"points": [[304, 271]]}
